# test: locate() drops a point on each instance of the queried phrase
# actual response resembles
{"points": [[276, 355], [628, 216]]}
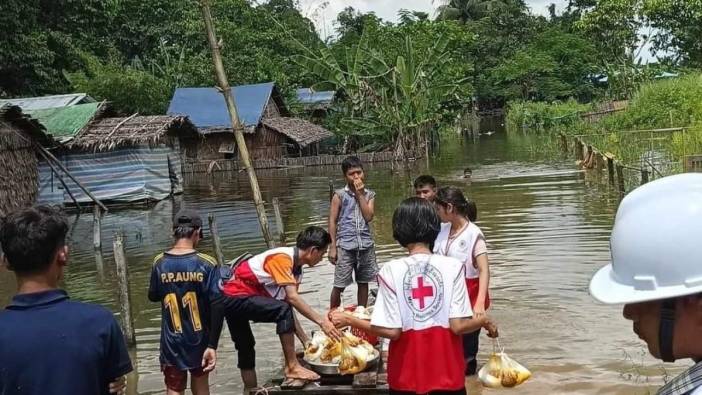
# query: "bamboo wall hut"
{"points": [[268, 130], [123, 160], [19, 171]]}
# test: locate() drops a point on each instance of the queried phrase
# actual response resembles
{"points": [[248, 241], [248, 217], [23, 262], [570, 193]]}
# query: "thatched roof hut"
{"points": [[269, 134], [111, 133], [302, 132], [123, 160], [18, 174]]}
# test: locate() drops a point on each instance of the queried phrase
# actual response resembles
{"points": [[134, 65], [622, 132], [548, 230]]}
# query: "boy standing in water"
{"points": [[425, 187], [352, 248], [182, 279]]}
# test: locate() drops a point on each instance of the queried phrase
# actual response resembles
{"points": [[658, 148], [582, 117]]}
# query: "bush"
{"points": [[539, 116], [661, 104]]}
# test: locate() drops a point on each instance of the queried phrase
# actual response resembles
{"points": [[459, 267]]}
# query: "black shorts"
{"points": [[240, 310]]}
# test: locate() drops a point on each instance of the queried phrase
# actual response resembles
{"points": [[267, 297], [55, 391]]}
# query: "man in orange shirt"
{"points": [[264, 289]]}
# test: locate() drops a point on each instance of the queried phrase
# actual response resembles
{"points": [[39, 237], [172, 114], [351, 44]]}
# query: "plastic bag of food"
{"points": [[502, 371], [353, 356]]}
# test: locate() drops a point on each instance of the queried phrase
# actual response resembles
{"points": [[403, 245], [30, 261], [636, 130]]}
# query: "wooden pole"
{"points": [[49, 156], [644, 176], [279, 221], [215, 239], [610, 169], [123, 285], [331, 189], [579, 149], [63, 182], [620, 178], [564, 142], [97, 233], [238, 128]]}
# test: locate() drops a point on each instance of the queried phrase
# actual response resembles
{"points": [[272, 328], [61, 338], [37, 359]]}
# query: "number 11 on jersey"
{"points": [[189, 301]]}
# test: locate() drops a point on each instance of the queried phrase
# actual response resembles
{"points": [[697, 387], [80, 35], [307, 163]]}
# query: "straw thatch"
{"points": [[110, 133], [19, 174], [302, 132]]}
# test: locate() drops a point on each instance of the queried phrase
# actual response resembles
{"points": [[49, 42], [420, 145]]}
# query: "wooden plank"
{"points": [[365, 380], [293, 384]]}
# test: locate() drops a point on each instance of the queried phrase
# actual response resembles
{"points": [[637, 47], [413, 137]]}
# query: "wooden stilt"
{"points": [[279, 221], [215, 239], [123, 287]]}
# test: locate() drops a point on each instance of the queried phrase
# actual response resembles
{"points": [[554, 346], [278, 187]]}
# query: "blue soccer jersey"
{"points": [[183, 284]]}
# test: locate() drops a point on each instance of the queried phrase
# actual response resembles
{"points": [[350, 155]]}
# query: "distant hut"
{"points": [[51, 101], [268, 130], [316, 103], [123, 160], [19, 171]]}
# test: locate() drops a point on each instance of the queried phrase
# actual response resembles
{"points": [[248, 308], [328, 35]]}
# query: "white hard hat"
{"points": [[656, 244]]}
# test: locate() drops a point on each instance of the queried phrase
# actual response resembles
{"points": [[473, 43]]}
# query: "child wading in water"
{"points": [[460, 238], [352, 249], [422, 307]]}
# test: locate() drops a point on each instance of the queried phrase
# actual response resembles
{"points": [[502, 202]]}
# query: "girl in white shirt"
{"points": [[460, 238]]}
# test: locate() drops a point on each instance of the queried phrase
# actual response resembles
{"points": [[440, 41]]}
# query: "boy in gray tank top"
{"points": [[352, 249]]}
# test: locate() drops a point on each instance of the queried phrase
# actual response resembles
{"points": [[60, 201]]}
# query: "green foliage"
{"points": [[661, 104], [130, 89], [539, 116], [678, 25]]}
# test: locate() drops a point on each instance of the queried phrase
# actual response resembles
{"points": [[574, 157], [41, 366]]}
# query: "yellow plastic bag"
{"points": [[502, 371]]}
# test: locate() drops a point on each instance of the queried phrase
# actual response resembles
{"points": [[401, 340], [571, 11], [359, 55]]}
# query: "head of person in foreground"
{"points": [[33, 242], [656, 268]]}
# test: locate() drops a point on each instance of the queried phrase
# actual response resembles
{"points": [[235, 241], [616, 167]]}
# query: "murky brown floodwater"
{"points": [[547, 230]]}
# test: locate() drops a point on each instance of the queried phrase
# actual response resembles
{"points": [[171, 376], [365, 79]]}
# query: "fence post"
{"points": [[644, 176], [279, 221], [579, 149], [610, 169], [215, 239], [620, 178], [97, 232], [123, 285], [331, 189], [564, 142]]}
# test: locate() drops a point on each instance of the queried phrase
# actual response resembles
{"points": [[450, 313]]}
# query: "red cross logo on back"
{"points": [[422, 291]]}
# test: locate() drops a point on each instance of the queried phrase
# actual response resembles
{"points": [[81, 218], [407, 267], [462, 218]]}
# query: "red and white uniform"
{"points": [[265, 274], [465, 246], [419, 294]]}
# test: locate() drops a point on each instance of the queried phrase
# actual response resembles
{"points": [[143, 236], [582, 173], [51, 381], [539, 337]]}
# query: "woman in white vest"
{"points": [[422, 307], [460, 238]]}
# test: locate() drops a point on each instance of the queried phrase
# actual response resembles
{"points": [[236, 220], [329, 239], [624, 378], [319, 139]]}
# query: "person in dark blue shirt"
{"points": [[48, 343], [183, 280]]}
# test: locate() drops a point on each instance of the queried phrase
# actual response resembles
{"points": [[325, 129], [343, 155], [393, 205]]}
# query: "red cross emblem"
{"points": [[422, 291]]}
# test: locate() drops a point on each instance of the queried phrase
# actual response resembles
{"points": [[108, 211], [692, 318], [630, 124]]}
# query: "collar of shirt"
{"points": [[27, 301], [685, 383]]}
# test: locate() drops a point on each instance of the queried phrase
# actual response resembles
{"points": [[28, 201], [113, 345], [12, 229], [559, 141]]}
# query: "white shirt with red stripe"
{"points": [[420, 294], [265, 274]]}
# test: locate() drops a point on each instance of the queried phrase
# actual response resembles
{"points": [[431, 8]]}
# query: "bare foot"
{"points": [[298, 372]]}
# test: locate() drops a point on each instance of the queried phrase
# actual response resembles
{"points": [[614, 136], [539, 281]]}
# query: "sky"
{"points": [[324, 12]]}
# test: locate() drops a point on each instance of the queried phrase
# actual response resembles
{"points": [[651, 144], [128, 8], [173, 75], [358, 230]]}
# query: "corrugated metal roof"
{"points": [[64, 122], [53, 101], [308, 96], [206, 108]]}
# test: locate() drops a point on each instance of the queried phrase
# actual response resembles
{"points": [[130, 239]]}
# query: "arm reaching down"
{"points": [[300, 305]]}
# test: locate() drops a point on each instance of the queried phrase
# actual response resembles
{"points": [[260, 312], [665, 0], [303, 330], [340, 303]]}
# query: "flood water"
{"points": [[547, 226]]}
